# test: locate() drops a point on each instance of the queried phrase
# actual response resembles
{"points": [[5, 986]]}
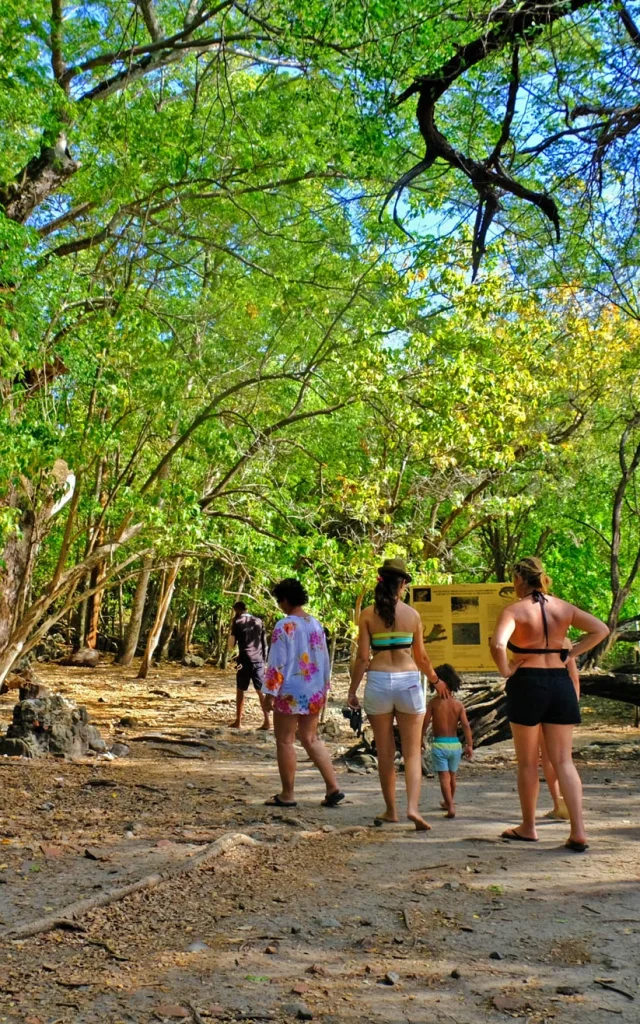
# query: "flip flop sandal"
{"points": [[276, 801], [333, 799], [516, 837], [573, 844]]}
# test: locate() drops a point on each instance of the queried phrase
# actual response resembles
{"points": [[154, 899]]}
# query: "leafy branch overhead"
{"points": [[511, 27]]}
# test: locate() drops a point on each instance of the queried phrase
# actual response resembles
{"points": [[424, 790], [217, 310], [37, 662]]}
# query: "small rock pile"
{"points": [[46, 723]]}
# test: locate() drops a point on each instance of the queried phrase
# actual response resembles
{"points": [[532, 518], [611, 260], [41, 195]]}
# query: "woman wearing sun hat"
{"points": [[391, 652]]}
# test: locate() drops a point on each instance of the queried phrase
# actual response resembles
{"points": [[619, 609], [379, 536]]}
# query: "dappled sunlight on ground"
{"points": [[374, 924]]}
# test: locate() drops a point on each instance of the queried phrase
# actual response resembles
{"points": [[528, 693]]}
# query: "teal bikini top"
{"points": [[391, 641]]}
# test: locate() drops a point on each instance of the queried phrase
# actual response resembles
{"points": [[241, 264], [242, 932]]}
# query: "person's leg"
{"points": [[266, 721], [526, 740], [559, 807], [242, 685], [382, 726], [239, 709], [559, 741], [410, 727], [445, 789], [257, 678], [453, 784], [284, 727], [315, 748]]}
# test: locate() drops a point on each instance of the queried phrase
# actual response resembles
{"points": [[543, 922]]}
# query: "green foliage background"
{"points": [[209, 323]]}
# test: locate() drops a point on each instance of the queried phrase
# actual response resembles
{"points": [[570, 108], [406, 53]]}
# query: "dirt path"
{"points": [[325, 904]]}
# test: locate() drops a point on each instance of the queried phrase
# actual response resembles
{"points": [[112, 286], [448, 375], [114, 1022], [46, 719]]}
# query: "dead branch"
{"points": [[68, 915]]}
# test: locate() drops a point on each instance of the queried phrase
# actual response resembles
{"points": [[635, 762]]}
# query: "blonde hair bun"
{"points": [[531, 571]]}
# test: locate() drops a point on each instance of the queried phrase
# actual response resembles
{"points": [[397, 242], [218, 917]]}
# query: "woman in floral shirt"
{"points": [[296, 687]]}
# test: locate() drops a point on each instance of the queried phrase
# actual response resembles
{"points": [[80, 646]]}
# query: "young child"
{"points": [[446, 749]]}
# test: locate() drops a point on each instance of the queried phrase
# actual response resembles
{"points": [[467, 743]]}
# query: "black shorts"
{"points": [[250, 672], [536, 695]]}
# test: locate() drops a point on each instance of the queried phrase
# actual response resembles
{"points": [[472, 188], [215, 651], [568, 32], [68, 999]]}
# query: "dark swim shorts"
{"points": [[536, 695], [250, 672]]}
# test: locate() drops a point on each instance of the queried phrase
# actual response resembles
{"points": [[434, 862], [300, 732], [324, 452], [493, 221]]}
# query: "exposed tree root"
{"points": [[69, 914]]}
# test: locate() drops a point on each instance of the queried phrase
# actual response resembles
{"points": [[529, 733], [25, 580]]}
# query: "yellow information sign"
{"points": [[458, 620]]}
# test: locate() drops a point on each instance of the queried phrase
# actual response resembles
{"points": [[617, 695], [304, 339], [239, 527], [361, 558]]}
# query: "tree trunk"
{"points": [[224, 624], [43, 175], [15, 562], [120, 620], [161, 614], [192, 615], [57, 598], [32, 507], [356, 618], [332, 658], [137, 611], [99, 571], [80, 619], [94, 605], [168, 629]]}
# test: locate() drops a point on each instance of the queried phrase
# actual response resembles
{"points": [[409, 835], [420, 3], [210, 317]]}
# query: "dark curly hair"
{"points": [[290, 590], [386, 595], [448, 675]]}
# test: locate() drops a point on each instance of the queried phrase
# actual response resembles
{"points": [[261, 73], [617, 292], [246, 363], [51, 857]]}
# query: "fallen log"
{"points": [[67, 916], [485, 700], [158, 737], [622, 685]]}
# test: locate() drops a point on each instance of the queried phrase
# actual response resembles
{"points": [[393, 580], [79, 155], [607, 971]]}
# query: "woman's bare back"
{"points": [[407, 621], [529, 629]]}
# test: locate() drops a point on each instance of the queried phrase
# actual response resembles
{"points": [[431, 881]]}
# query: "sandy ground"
{"points": [[328, 916]]}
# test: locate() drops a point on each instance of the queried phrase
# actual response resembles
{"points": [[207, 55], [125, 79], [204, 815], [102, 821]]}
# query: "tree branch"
{"points": [[262, 438], [629, 24], [509, 110], [170, 42], [55, 40], [506, 25], [203, 416], [65, 218], [151, 19]]}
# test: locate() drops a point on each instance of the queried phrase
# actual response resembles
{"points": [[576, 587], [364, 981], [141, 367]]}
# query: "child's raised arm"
{"points": [[468, 735]]}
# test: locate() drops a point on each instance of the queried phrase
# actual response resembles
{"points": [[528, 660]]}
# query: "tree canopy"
{"points": [[223, 359]]}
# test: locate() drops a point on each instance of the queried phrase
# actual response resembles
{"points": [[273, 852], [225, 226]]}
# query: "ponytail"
{"points": [[531, 571], [386, 595]]}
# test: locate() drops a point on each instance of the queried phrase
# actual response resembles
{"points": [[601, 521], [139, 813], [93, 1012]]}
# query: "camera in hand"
{"points": [[354, 716]]}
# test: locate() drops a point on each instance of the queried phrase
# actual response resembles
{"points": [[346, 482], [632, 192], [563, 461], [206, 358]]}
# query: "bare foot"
{"points": [[419, 822], [451, 813], [264, 727], [443, 804], [234, 725], [387, 816]]}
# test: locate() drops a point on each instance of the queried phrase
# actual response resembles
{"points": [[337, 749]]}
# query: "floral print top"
{"points": [[298, 668]]}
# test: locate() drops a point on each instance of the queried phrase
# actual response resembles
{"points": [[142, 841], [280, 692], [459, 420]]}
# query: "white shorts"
{"points": [[393, 691]]}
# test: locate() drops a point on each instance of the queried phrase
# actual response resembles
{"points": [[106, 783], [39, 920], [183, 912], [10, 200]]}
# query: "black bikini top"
{"points": [[539, 598]]}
